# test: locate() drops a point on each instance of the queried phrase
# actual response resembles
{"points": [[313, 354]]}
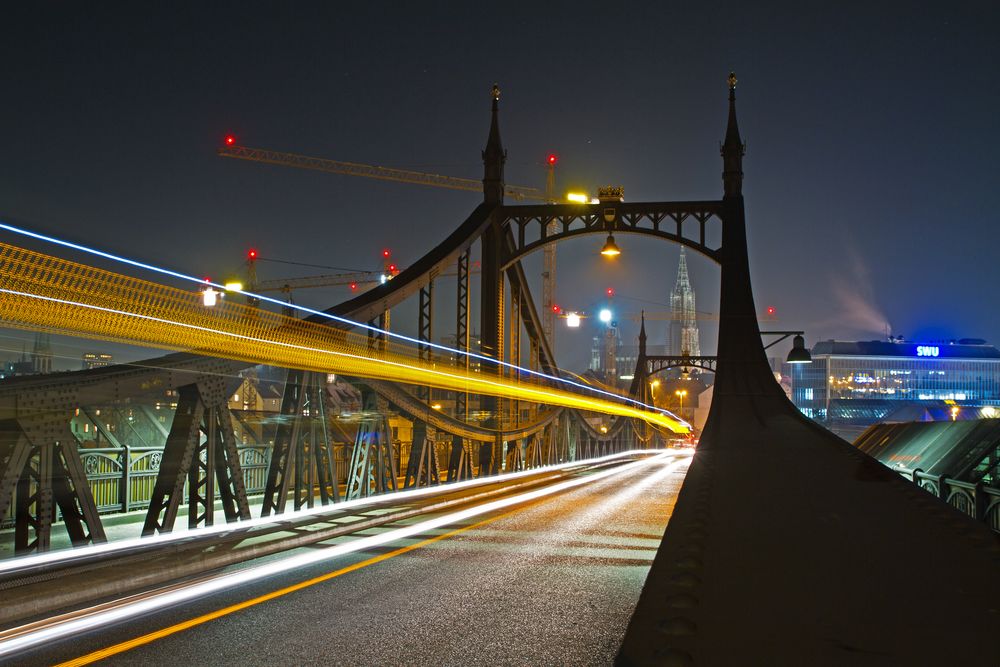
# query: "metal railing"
{"points": [[122, 479], [976, 500]]}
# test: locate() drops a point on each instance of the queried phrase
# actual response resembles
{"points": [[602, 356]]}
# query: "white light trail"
{"points": [[22, 638], [65, 558]]}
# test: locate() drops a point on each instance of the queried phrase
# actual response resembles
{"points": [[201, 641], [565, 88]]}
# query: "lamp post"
{"points": [[798, 354], [652, 390], [681, 393]]}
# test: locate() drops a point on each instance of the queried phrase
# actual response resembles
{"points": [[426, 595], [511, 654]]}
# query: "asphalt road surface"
{"points": [[551, 581]]}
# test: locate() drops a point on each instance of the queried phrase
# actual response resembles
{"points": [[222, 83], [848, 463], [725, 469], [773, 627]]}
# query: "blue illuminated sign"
{"points": [[928, 350]]}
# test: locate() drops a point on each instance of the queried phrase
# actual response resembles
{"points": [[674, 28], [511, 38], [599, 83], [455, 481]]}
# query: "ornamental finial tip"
{"points": [[732, 81], [496, 92]]}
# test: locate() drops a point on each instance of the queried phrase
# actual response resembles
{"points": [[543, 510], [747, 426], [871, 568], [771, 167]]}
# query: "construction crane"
{"points": [[231, 149], [354, 279]]}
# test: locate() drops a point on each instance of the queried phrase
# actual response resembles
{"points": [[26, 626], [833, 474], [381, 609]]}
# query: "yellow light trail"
{"points": [[42, 292]]}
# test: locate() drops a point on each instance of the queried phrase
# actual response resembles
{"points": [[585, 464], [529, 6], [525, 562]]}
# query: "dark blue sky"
{"points": [[871, 167]]}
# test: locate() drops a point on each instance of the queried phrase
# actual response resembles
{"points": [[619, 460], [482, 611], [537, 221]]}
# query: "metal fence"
{"points": [[122, 479], [978, 501]]}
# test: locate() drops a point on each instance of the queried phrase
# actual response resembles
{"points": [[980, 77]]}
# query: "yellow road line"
{"points": [[225, 611]]}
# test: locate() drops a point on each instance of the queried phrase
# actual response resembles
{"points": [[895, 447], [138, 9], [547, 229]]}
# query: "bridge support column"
{"points": [[373, 467], [299, 452], [40, 470], [200, 408], [460, 462], [422, 467]]}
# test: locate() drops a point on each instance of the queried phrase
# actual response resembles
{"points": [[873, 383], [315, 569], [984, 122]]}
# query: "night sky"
{"points": [[871, 171]]}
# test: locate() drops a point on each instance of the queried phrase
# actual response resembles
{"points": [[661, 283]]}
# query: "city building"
{"points": [[97, 359], [41, 353], [852, 385], [682, 334]]}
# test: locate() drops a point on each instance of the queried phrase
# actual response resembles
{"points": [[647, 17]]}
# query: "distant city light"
{"points": [[604, 315], [610, 291], [209, 297], [386, 253], [578, 198], [573, 320], [234, 286], [230, 140]]}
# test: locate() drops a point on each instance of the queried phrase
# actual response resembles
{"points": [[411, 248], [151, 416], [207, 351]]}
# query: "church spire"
{"points": [[494, 157], [642, 333], [733, 149]]}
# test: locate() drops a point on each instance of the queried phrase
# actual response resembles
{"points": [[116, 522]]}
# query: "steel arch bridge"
{"points": [[40, 453]]}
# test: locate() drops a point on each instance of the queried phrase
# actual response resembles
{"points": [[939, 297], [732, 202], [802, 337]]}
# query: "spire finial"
{"points": [[494, 156], [733, 148]]}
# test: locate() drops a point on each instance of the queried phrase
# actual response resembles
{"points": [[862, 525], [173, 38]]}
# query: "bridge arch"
{"points": [[529, 225]]}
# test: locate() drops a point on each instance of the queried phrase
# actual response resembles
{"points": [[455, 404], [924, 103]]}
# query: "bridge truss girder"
{"points": [[41, 470], [204, 465]]}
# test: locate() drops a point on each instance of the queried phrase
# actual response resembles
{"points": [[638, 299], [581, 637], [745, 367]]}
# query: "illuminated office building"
{"points": [[851, 385]]}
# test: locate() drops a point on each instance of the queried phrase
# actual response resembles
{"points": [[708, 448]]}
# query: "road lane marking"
{"points": [[225, 611], [74, 626]]}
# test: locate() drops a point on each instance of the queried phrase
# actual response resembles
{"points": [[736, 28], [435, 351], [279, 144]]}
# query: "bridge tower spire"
{"points": [[491, 284], [494, 157], [733, 149]]}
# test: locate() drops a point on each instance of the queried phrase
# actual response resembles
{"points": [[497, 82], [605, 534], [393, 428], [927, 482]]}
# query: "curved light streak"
{"points": [[56, 294], [382, 369], [336, 318]]}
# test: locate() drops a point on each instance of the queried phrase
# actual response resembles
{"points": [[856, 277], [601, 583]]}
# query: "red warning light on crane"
{"points": [[230, 140], [610, 291], [552, 159], [393, 269], [556, 309], [386, 253], [251, 254]]}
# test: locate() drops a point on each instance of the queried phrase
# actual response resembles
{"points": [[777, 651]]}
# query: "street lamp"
{"points": [[681, 393], [652, 389], [611, 248], [799, 354], [604, 315]]}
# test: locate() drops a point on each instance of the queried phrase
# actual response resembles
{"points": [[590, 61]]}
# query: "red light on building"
{"points": [[610, 291], [393, 268], [230, 140], [552, 159], [771, 310], [386, 253], [354, 286]]}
